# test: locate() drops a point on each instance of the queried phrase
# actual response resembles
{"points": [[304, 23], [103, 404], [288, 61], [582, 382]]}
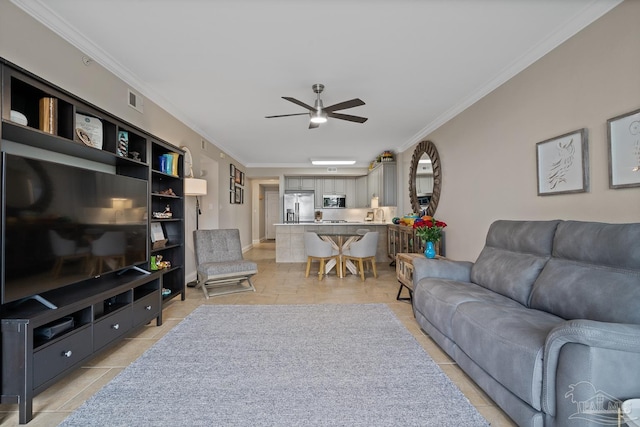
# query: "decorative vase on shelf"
{"points": [[430, 250]]}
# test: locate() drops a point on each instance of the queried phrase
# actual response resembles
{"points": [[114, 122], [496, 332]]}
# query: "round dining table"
{"points": [[340, 242]]}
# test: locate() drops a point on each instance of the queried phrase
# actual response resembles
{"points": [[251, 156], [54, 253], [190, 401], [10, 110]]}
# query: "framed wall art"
{"points": [[238, 176], [238, 195], [623, 134], [563, 164], [232, 170]]}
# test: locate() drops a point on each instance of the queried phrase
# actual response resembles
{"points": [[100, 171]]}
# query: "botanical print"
{"points": [[634, 130], [562, 164], [624, 145], [558, 170]]}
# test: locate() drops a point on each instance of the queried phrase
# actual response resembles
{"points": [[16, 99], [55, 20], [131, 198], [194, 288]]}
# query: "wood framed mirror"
{"points": [[425, 178]]}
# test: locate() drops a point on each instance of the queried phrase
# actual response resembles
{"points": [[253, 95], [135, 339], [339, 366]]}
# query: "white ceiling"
{"points": [[220, 66]]}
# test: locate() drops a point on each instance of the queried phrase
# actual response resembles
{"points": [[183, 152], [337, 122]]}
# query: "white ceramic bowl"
{"points": [[18, 117], [631, 412]]}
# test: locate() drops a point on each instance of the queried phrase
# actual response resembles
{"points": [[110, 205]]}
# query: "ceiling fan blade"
{"points": [[300, 103], [348, 117], [356, 102], [313, 125], [286, 115]]}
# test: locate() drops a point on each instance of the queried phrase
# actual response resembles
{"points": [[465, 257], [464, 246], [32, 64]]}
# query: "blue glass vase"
{"points": [[430, 250]]}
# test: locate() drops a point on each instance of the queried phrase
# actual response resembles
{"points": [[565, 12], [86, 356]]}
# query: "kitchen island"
{"points": [[290, 237]]}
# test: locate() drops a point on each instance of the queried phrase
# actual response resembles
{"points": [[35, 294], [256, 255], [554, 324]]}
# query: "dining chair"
{"points": [[110, 249], [319, 250], [362, 251], [66, 250]]}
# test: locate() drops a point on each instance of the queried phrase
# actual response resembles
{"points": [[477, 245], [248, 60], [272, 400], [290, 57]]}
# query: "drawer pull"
{"points": [[115, 326], [67, 353], [148, 308]]}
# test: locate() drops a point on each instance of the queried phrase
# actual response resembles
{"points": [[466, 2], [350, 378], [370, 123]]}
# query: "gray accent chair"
{"points": [[546, 321], [219, 262]]}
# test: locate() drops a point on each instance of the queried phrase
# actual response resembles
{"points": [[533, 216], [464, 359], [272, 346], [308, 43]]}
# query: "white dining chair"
{"points": [[319, 250], [361, 252]]}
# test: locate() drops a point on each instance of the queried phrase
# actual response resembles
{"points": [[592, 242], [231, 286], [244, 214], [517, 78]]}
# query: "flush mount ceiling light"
{"points": [[328, 162]]}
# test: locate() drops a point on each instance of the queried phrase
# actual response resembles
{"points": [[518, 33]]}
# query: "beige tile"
{"points": [[276, 283]]}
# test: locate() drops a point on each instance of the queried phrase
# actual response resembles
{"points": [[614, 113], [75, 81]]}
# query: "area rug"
{"points": [[282, 365]]}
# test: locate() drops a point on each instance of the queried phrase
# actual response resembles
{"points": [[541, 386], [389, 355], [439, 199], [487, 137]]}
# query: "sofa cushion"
{"points": [[438, 299], [594, 273], [507, 342], [514, 254]]}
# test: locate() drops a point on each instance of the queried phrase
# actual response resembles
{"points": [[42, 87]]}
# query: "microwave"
{"points": [[334, 201]]}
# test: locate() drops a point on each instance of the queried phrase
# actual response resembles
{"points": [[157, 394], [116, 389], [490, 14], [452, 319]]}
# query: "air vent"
{"points": [[332, 170], [135, 101]]}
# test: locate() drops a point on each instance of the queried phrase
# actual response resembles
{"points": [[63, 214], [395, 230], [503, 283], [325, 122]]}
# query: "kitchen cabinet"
{"points": [[362, 199], [334, 185], [299, 183], [382, 183], [424, 184]]}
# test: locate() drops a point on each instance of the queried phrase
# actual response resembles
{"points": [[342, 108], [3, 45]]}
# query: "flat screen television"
{"points": [[64, 224]]}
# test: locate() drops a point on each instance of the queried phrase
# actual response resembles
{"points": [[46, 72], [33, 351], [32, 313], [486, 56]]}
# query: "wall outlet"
{"points": [[332, 170]]}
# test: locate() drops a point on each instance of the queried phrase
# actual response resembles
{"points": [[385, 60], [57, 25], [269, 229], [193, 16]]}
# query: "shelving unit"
{"points": [[104, 309], [172, 228]]}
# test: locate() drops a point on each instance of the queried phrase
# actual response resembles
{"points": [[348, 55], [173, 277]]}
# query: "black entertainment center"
{"points": [[81, 193]]}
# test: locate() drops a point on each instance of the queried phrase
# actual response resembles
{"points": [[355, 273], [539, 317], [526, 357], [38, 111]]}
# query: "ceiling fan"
{"points": [[319, 112]]}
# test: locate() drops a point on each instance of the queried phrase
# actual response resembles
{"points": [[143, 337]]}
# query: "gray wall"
{"points": [[488, 152]]}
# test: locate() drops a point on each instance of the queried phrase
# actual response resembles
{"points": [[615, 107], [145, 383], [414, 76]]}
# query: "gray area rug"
{"points": [[282, 365]]}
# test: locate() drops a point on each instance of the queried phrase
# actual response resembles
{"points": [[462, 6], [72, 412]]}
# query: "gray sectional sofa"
{"points": [[546, 321]]}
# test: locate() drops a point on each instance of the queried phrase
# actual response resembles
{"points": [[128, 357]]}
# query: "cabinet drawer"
{"points": [[146, 308], [111, 327], [60, 356]]}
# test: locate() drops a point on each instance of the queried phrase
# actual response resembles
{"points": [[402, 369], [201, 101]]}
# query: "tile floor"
{"points": [[275, 284]]}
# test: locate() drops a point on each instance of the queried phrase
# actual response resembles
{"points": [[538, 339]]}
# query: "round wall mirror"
{"points": [[425, 178]]}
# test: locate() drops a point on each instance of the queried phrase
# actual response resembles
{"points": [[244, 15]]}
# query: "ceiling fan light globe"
{"points": [[318, 119]]}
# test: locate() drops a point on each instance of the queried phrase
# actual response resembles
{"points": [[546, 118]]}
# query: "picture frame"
{"points": [[238, 176], [157, 234], [232, 183], [238, 194], [623, 136], [232, 170], [563, 164], [232, 196], [242, 178], [242, 196]]}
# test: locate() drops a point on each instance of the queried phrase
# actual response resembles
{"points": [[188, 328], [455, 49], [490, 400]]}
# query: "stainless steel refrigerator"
{"points": [[299, 206]]}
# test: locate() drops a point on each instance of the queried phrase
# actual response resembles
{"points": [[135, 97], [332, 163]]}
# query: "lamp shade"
{"points": [[374, 203], [195, 187]]}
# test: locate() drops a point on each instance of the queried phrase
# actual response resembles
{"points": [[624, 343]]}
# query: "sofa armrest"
{"points": [[441, 269], [616, 345]]}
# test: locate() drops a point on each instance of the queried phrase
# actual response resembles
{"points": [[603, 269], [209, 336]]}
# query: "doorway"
{"points": [[271, 213]]}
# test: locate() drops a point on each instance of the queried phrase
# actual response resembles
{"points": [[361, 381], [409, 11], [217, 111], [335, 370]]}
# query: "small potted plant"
{"points": [[429, 230]]}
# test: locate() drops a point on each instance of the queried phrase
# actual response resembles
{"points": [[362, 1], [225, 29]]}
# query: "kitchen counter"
{"points": [[290, 237]]}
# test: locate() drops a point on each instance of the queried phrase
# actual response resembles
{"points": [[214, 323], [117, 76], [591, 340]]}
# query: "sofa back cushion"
{"points": [[514, 254], [594, 273]]}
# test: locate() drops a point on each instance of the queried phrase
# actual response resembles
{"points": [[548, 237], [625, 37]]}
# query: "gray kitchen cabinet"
{"points": [[382, 183]]}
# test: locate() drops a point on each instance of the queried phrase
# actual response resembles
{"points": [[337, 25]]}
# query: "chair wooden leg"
{"points": [[321, 270], [361, 268], [373, 266], [308, 267]]}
